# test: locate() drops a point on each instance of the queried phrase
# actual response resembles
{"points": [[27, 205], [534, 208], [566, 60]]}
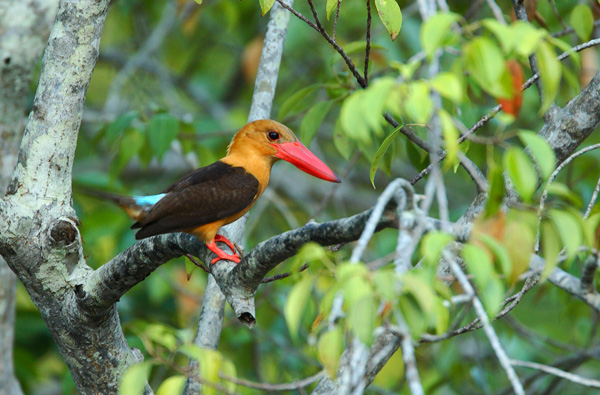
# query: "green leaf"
{"points": [[329, 350], [489, 287], [381, 152], [569, 228], [422, 290], [131, 143], [519, 241], [391, 16], [342, 143], [296, 303], [449, 86], [172, 385], [437, 32], [450, 133], [563, 191], [527, 37], [119, 125], [312, 120], [352, 118], [354, 283], [551, 246], [550, 73], [134, 380], [495, 192], [485, 63], [541, 151], [478, 263], [500, 253], [582, 21], [265, 6], [298, 102], [521, 172], [503, 33], [385, 283], [162, 129], [362, 317], [374, 100], [420, 106], [432, 245], [331, 5]]}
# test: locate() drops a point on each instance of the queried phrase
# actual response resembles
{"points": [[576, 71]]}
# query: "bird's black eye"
{"points": [[273, 135]]}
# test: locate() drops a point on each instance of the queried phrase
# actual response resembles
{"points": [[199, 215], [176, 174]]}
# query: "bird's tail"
{"points": [[135, 206]]}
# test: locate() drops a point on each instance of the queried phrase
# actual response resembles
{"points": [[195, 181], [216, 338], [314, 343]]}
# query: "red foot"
{"points": [[222, 255]]}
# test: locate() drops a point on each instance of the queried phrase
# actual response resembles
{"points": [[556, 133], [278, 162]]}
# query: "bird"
{"points": [[206, 199]]}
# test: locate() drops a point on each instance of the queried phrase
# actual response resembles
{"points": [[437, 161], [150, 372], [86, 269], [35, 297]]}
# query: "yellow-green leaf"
{"points": [[450, 133], [330, 6], [391, 16], [134, 380], [162, 129], [521, 172], [296, 303], [569, 228], [582, 21], [420, 106], [381, 152], [449, 85], [312, 120], [172, 385], [486, 65], [550, 73], [362, 317], [432, 245], [437, 32], [265, 6], [541, 151], [329, 349]]}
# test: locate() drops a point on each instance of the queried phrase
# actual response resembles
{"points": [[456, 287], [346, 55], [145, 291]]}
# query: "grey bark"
{"points": [[39, 238], [24, 28]]}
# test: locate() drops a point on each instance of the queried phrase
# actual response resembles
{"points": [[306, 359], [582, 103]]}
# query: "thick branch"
{"points": [[569, 126]]}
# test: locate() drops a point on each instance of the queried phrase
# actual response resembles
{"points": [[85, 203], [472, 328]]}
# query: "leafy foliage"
{"points": [[182, 108]]}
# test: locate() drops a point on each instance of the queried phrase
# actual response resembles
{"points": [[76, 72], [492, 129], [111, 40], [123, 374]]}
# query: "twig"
{"points": [[521, 14], [530, 335], [570, 30], [283, 275], [496, 11], [557, 14], [368, 47], [167, 22], [593, 199], [487, 327], [557, 372], [408, 356], [275, 387], [478, 125], [509, 304], [331, 41], [552, 177], [377, 212], [337, 14]]}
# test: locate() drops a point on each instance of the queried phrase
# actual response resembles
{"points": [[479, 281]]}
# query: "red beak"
{"points": [[298, 155]]}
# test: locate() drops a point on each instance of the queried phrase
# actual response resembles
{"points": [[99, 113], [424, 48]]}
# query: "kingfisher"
{"points": [[206, 199]]}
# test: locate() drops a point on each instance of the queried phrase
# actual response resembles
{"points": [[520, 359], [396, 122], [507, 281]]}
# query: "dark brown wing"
{"points": [[206, 195]]}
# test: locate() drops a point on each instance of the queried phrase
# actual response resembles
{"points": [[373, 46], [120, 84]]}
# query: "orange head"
{"points": [[270, 141]]}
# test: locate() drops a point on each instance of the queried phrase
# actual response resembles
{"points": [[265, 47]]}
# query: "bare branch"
{"points": [[487, 327], [557, 372], [276, 387]]}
